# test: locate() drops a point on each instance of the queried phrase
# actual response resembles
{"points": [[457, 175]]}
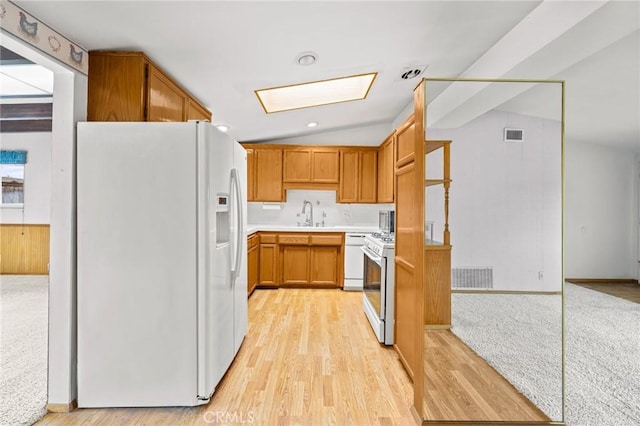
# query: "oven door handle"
{"points": [[371, 255]]}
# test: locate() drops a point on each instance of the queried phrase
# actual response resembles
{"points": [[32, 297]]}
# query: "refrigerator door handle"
{"points": [[239, 212]]}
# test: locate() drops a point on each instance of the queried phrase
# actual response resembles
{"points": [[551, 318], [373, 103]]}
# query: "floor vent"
{"points": [[472, 278]]}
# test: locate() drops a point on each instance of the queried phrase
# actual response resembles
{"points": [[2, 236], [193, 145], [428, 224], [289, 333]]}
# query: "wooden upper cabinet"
{"points": [[315, 165], [297, 165], [358, 176], [325, 165], [386, 170], [368, 173], [405, 149], [267, 175], [128, 86], [348, 192], [195, 111], [111, 97], [166, 101]]}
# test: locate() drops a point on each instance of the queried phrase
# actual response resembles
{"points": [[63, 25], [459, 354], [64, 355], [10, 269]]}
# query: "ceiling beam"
{"points": [[536, 32]]}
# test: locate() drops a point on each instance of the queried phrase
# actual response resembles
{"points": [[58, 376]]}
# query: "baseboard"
{"points": [[543, 293], [62, 408], [601, 280], [437, 326], [487, 423]]}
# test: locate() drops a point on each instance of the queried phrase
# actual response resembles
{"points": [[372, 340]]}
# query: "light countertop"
{"points": [[252, 228]]}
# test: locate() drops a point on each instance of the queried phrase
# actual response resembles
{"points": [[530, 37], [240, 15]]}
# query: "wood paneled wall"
{"points": [[24, 249], [33, 117]]}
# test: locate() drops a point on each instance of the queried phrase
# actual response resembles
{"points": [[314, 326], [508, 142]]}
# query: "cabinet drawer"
{"points": [[293, 239], [326, 240], [268, 238], [252, 241]]}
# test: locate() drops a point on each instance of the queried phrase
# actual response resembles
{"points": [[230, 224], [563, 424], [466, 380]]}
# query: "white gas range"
{"points": [[379, 279]]}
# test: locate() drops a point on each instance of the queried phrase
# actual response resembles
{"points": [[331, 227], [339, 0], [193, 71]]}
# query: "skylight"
{"points": [[316, 93], [25, 80]]}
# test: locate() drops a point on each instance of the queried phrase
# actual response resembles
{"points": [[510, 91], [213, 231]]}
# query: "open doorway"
{"points": [[26, 104]]}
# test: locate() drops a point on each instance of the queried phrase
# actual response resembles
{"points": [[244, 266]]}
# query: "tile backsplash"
{"points": [[290, 212]]}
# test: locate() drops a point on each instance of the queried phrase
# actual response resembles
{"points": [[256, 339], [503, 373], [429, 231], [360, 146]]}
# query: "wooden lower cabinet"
{"points": [[295, 265], [268, 257], [299, 259], [253, 265], [322, 271], [310, 266], [437, 282], [405, 321]]}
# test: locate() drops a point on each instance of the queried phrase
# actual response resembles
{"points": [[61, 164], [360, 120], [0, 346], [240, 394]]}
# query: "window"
{"points": [[12, 172]]}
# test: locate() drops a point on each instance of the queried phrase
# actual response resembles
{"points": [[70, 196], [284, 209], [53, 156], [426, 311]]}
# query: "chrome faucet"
{"points": [[308, 221]]}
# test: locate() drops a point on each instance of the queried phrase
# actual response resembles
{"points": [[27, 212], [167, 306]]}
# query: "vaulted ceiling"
{"points": [[222, 51]]}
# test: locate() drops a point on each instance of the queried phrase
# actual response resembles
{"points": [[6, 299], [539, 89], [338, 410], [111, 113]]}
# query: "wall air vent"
{"points": [[513, 135], [472, 277]]}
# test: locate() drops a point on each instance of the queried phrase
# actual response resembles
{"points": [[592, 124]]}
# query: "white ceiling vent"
{"points": [[513, 135], [408, 73]]}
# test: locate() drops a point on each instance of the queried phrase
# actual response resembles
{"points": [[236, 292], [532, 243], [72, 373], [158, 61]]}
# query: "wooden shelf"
{"points": [[433, 247], [430, 146], [432, 182]]}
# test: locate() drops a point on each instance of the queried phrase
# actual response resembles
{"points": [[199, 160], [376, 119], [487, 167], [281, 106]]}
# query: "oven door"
{"points": [[373, 283]]}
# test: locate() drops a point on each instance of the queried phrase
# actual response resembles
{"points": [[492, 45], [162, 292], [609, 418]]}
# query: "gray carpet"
{"points": [[23, 348], [519, 336]]}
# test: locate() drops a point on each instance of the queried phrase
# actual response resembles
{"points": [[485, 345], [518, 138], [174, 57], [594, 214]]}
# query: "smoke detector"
{"points": [[408, 73]]}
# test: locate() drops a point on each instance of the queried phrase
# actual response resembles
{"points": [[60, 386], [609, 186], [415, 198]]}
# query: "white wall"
{"points": [[601, 225], [337, 214], [37, 173], [505, 200], [369, 135], [69, 107]]}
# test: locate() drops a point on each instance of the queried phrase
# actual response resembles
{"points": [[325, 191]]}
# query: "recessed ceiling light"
{"points": [[222, 127], [307, 58], [312, 124], [316, 93]]}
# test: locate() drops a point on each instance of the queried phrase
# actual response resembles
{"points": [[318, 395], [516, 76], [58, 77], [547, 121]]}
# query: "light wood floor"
{"points": [[310, 358], [627, 291], [459, 385]]}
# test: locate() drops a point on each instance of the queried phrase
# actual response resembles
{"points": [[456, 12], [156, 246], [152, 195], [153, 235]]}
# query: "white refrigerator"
{"points": [[161, 253]]}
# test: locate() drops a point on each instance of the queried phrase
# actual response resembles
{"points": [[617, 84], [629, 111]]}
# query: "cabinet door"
{"points": [[268, 257], [325, 266], [253, 271], [251, 175], [404, 145], [196, 112], [325, 167], [295, 265], [386, 171], [166, 101], [368, 182], [297, 165], [116, 86], [268, 175], [348, 177]]}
